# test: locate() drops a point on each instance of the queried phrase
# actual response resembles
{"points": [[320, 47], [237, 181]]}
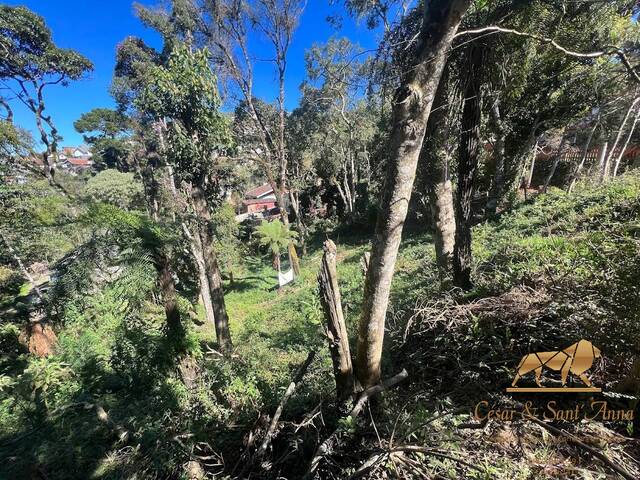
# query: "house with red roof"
{"points": [[259, 199], [75, 159]]}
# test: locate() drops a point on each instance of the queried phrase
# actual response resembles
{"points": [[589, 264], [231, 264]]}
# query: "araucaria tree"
{"points": [[182, 99]]}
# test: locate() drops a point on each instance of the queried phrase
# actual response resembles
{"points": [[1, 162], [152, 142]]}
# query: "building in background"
{"points": [[258, 200], [75, 159]]}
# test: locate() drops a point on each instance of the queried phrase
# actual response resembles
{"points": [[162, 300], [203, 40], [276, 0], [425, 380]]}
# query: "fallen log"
{"points": [[287, 394], [274, 421]]}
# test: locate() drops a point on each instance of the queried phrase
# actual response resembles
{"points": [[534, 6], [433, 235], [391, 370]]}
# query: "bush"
{"points": [[115, 188]]}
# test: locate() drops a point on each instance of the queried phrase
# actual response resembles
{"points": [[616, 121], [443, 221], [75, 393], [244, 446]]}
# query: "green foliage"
{"points": [[32, 53], [106, 131], [226, 230], [184, 92], [38, 221], [113, 187], [30, 63], [276, 236], [101, 122]]}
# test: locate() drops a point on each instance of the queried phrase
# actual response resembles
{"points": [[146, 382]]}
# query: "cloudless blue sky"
{"points": [[94, 28]]}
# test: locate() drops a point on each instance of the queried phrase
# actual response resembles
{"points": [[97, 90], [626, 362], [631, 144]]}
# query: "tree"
{"points": [[412, 106], [434, 174], [115, 188], [228, 28], [339, 122], [276, 236], [106, 130], [182, 98], [468, 152], [32, 64]]}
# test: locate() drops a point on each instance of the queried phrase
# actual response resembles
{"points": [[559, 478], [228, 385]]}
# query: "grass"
{"points": [[576, 256]]}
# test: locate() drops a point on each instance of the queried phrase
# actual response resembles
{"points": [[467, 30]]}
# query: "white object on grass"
{"points": [[284, 278]]}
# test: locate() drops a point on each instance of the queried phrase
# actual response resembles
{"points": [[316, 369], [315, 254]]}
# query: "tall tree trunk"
{"points": [[284, 217], [161, 260], [169, 297], [302, 229], [603, 162], [583, 158], [533, 153], [496, 192], [216, 291], [619, 134], [626, 144], [468, 152], [435, 170], [336, 327], [411, 110], [198, 256], [556, 161]]}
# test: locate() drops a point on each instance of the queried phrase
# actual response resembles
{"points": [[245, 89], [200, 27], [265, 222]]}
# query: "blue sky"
{"points": [[94, 28]]}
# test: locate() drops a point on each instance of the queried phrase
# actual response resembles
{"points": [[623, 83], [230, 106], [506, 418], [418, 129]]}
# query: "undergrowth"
{"points": [[547, 273]]}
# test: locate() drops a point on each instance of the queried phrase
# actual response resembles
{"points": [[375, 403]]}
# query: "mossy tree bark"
{"points": [[412, 106], [435, 157]]}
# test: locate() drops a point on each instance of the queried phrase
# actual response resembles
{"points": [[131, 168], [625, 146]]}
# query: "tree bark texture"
{"points": [[497, 189], [411, 110], [435, 160], [214, 276], [169, 297], [603, 161], [198, 256], [468, 152], [336, 327]]}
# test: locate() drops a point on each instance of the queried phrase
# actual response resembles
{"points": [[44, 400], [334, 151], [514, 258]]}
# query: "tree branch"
{"points": [[608, 50]]}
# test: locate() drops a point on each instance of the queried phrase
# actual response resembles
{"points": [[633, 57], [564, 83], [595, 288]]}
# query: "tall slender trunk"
{"points": [[468, 152], [496, 192], [583, 158], [169, 297], [302, 229], [411, 110], [284, 217], [533, 153], [556, 161], [603, 162], [216, 291], [161, 260], [198, 256], [620, 131], [435, 160], [626, 144]]}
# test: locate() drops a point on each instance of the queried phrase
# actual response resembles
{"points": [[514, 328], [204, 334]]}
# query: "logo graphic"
{"points": [[575, 359]]}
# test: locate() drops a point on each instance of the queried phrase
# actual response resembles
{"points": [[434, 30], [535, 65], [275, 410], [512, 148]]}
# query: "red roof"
{"points": [[80, 161], [254, 201], [260, 191]]}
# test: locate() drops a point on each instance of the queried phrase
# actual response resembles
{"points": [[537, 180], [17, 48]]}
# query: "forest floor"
{"points": [[552, 271]]}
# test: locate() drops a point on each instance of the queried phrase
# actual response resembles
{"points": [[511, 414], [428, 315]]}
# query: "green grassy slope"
{"points": [[549, 272]]}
